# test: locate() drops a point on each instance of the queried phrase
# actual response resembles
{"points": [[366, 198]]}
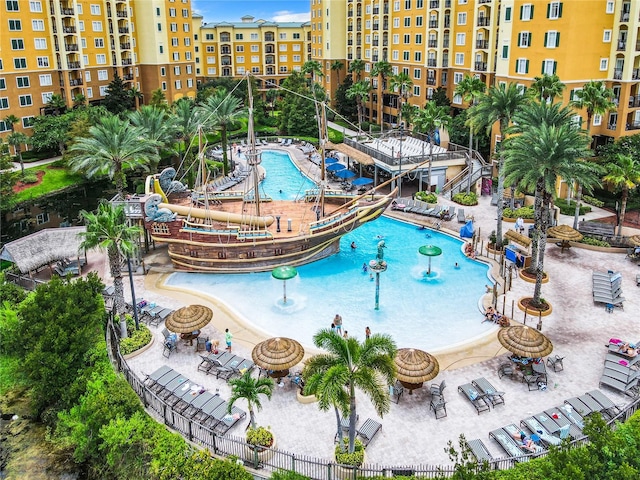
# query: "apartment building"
{"points": [[74, 48], [268, 50]]}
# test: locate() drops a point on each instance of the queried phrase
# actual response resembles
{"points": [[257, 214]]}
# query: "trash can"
{"points": [[531, 228]]}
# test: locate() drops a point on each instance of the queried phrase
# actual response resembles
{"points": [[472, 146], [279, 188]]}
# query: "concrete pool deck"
{"points": [[578, 328]]}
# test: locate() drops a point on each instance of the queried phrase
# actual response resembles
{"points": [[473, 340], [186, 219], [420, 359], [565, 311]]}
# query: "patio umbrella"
{"points": [[277, 355], [635, 240], [525, 341], [334, 167], [414, 367], [189, 319], [345, 174], [284, 273], [430, 251], [362, 181], [330, 160], [565, 234]]}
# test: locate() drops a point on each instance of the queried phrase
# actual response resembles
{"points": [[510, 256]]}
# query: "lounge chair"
{"points": [[438, 388], [173, 386], [161, 382], [368, 431], [561, 419], [605, 402], [195, 406], [581, 407], [438, 404], [619, 356], [630, 388], [536, 427], [489, 391], [506, 369], [479, 450], [152, 378], [206, 411], [461, 217], [225, 419], [170, 346], [477, 399], [449, 214], [512, 429], [508, 444], [556, 363], [436, 211], [396, 391], [574, 417]]}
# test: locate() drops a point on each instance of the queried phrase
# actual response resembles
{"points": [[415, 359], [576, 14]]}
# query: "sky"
{"points": [[215, 11]]}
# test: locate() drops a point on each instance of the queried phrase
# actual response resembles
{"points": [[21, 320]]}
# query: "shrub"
{"points": [[465, 198], [592, 201], [522, 212], [136, 339], [30, 178], [427, 197], [595, 242], [569, 208], [355, 459], [260, 437], [335, 136]]}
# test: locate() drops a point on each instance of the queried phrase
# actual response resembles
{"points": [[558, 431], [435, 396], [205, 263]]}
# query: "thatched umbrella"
{"points": [[525, 341], [414, 367], [565, 234], [189, 319], [635, 240], [277, 355]]}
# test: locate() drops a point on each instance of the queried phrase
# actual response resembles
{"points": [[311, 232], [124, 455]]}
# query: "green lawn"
{"points": [[54, 179]]}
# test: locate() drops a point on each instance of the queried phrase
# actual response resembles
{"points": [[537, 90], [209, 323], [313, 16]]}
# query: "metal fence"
{"points": [[273, 459]]}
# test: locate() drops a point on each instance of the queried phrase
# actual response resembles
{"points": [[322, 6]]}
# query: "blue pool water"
{"points": [[283, 180], [418, 311]]}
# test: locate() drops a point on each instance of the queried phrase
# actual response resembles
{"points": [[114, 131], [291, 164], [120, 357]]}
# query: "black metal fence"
{"points": [[274, 459]]}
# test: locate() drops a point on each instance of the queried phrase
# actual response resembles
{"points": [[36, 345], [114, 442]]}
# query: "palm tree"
{"points": [[136, 94], [623, 173], [546, 88], [469, 89], [11, 120], [250, 389], [16, 139], [312, 68], [157, 126], [57, 104], [499, 104], [187, 120], [337, 66], [357, 66], [107, 229], [597, 99], [428, 120], [536, 158], [219, 112], [367, 366], [79, 101], [113, 146], [159, 99], [402, 84], [381, 70], [360, 91]]}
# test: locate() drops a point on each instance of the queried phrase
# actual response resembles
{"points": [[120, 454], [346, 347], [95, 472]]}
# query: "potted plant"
{"points": [[261, 438]]}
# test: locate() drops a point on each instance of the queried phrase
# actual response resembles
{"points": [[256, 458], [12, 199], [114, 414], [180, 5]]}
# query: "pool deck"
{"points": [[578, 328]]}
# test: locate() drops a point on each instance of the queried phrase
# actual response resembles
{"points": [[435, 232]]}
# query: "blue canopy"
{"points": [[330, 160], [362, 181], [345, 174], [467, 230], [334, 167]]}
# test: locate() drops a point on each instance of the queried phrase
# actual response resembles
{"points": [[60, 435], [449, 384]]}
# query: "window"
{"points": [[549, 67], [394, 55], [163, 71], [189, 69], [173, 27], [19, 63], [507, 14], [159, 25], [23, 82], [505, 51], [176, 70], [210, 49], [172, 12], [211, 71], [296, 36], [27, 122], [239, 36], [522, 65], [157, 11], [462, 18], [185, 27], [164, 84], [552, 39], [87, 76], [81, 25], [282, 47], [524, 39], [407, 21], [416, 90], [606, 36], [17, 44], [96, 26], [102, 75], [407, 4], [417, 57], [3, 84], [604, 64], [406, 39], [35, 7], [554, 10], [418, 38], [211, 59], [396, 6], [185, 13], [296, 47], [40, 43], [187, 42], [457, 99], [418, 21], [4, 126], [396, 23], [98, 42], [161, 49], [405, 55], [178, 84], [85, 60], [15, 25], [25, 100], [79, 8], [95, 9], [417, 73], [610, 6], [597, 119], [37, 25], [176, 56], [396, 38], [12, 6], [46, 97], [42, 218], [526, 12], [459, 58], [101, 59], [4, 103], [460, 38], [103, 90], [282, 58], [457, 78]]}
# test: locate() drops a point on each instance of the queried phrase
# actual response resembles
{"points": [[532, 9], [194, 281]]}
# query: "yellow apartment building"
{"points": [[74, 48]]}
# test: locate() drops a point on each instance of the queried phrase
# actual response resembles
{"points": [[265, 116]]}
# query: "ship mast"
{"points": [[322, 126], [252, 154]]}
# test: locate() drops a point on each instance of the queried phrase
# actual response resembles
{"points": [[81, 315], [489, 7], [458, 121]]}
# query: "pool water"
{"points": [[418, 310], [283, 180]]}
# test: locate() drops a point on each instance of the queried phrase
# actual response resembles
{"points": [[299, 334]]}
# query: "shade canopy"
{"points": [[415, 366], [345, 174], [277, 353], [330, 160], [564, 232], [635, 240], [334, 167], [284, 272], [362, 181], [430, 250], [189, 319], [525, 341]]}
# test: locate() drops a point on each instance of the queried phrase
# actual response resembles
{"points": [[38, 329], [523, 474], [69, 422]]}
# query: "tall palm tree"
{"points": [[537, 158], [159, 99], [250, 389], [402, 84], [136, 94], [312, 68], [596, 99], [79, 101], [11, 120], [57, 104], [337, 66], [107, 229], [367, 366], [357, 66], [469, 89], [113, 146], [382, 70], [546, 88], [16, 140], [157, 126], [187, 119], [623, 173], [428, 120], [499, 104], [219, 112], [360, 91]]}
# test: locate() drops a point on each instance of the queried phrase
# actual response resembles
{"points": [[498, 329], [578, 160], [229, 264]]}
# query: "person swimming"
{"points": [[365, 269]]}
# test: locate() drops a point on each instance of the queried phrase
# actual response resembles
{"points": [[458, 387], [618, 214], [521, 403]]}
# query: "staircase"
{"points": [[457, 184]]}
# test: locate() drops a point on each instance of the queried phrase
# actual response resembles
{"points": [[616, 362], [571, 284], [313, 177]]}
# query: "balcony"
{"points": [[376, 43], [617, 74], [445, 43], [376, 26], [612, 126], [374, 58], [445, 62], [484, 1], [385, 26], [481, 66], [67, 12], [434, 4], [432, 43], [433, 23], [447, 22], [71, 47], [483, 21], [432, 62], [268, 62], [128, 77], [73, 65], [123, 31], [447, 3], [126, 61], [350, 56], [376, 11], [349, 42], [69, 29], [633, 126], [350, 28], [635, 75], [622, 45], [624, 17], [349, 14], [483, 44], [634, 102], [122, 14], [431, 80], [76, 82], [125, 46]]}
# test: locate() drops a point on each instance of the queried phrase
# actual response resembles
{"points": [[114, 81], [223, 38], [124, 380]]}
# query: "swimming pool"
{"points": [[283, 181], [418, 311]]}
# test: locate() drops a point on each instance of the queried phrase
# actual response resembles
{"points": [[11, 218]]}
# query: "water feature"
{"points": [[284, 181]]}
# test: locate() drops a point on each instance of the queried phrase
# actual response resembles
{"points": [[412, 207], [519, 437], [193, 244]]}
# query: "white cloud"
{"points": [[287, 16]]}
